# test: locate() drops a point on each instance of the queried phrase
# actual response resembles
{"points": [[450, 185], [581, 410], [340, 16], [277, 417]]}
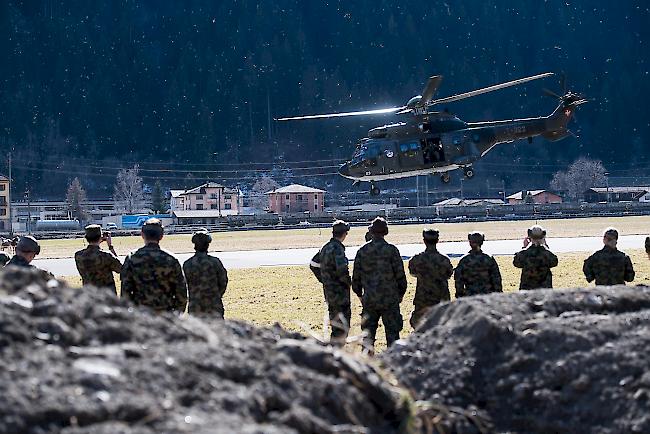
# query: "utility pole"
{"points": [[11, 224], [29, 212], [417, 189]]}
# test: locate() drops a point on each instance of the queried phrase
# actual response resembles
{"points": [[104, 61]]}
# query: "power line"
{"points": [[177, 178], [83, 166]]}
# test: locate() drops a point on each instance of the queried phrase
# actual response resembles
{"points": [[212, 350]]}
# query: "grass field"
{"points": [[292, 297], [399, 234]]}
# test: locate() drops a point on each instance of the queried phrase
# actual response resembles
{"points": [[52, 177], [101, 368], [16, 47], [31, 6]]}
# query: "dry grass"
{"points": [[399, 234], [292, 297]]}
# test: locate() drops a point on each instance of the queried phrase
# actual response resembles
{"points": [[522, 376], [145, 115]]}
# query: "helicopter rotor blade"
{"points": [[430, 89], [551, 93], [345, 114], [489, 89]]}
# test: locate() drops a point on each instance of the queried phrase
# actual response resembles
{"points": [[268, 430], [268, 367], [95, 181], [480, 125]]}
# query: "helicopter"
{"points": [[429, 142]]}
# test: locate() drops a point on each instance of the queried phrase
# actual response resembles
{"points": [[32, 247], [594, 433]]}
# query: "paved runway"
{"points": [[273, 258]]}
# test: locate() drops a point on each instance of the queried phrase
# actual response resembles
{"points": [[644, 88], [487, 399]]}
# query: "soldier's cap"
{"points": [[339, 226], [536, 232], [153, 226], [201, 236], [378, 226], [93, 231], [28, 244], [430, 234], [611, 233], [476, 237]]}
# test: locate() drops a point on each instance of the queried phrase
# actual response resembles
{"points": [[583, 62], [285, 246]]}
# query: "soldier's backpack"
{"points": [[314, 266]]}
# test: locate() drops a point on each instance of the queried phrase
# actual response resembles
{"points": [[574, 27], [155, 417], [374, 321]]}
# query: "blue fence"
{"points": [[136, 221]]}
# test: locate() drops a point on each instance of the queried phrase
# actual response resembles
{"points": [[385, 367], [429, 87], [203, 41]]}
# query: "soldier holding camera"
{"points": [[535, 260], [96, 266]]}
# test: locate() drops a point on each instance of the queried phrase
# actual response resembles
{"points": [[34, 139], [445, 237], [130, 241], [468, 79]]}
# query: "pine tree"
{"points": [[75, 199], [158, 202]]}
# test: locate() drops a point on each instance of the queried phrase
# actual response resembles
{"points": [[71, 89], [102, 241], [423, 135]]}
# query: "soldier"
{"points": [[27, 249], [379, 281], [152, 277], [336, 282], [609, 266], [647, 246], [207, 279], [95, 266], [433, 270], [535, 260], [4, 258], [477, 272]]}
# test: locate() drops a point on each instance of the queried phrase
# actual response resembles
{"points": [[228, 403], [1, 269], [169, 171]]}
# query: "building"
{"points": [[39, 210], [296, 198], [210, 196], [617, 194], [5, 204], [536, 196]]}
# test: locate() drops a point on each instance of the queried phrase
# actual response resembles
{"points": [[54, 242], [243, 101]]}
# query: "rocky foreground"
{"points": [[541, 361], [83, 361]]}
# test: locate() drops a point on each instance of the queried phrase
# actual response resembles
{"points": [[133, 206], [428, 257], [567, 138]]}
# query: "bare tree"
{"points": [[263, 185], [129, 194], [582, 174], [75, 198]]}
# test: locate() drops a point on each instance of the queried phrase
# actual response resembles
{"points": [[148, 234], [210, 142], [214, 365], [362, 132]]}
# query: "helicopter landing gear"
{"points": [[445, 178], [469, 172], [374, 190]]}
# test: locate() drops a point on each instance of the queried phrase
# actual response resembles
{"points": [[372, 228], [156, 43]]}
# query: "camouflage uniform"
{"points": [[608, 266], [19, 261], [152, 277], [536, 262], [4, 258], [336, 287], [96, 267], [432, 270], [647, 245], [207, 280], [379, 279], [477, 273]]}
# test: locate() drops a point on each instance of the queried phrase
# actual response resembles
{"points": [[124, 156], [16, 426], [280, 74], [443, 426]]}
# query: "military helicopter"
{"points": [[438, 141]]}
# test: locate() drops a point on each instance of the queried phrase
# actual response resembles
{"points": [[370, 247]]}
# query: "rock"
{"points": [[537, 361], [83, 361]]}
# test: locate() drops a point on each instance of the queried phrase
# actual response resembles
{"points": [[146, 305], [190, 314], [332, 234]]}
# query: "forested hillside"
{"points": [[169, 82]]}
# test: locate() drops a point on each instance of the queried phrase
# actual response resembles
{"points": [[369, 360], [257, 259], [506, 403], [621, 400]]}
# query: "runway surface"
{"points": [[274, 258]]}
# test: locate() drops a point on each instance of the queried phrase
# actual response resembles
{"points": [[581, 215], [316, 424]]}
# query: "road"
{"points": [[274, 258]]}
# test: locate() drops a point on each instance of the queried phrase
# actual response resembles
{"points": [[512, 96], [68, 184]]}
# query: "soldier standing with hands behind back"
{"points": [[335, 277], [477, 272], [609, 266], [433, 270], [206, 276], [152, 277], [95, 266], [379, 280]]}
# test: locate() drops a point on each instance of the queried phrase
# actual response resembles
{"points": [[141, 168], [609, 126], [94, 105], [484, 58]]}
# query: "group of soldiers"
{"points": [[149, 276], [154, 278], [379, 279]]}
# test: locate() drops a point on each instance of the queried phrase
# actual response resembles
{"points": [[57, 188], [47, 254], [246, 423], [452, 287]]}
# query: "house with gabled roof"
{"points": [[534, 196], [296, 198]]}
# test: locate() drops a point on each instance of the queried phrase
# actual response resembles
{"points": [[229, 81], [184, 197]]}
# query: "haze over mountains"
{"points": [[198, 82]]}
